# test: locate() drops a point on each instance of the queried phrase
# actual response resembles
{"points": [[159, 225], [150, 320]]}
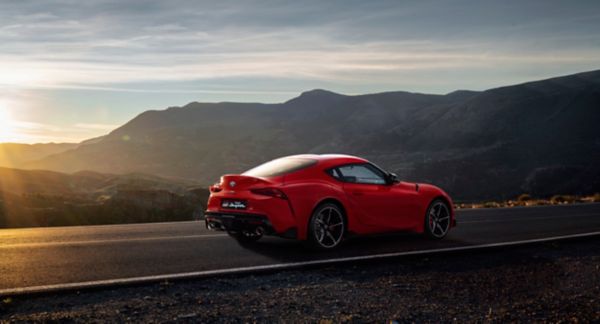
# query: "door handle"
{"points": [[357, 193]]}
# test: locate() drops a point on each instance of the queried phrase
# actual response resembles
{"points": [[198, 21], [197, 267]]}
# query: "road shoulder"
{"points": [[541, 282]]}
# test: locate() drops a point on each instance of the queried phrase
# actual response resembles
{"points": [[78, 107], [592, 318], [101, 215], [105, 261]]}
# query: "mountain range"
{"points": [[539, 137]]}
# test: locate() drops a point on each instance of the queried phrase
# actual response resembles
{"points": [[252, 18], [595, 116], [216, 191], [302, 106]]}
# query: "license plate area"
{"points": [[234, 204]]}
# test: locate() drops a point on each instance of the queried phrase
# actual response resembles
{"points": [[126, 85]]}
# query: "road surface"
{"points": [[50, 256]]}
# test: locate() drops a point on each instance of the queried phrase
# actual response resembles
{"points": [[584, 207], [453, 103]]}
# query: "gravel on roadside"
{"points": [[550, 282]]}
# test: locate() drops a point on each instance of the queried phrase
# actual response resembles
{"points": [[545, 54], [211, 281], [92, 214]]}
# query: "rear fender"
{"points": [[304, 198]]}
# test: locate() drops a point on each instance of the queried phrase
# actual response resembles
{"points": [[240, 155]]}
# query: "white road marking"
{"points": [[92, 242], [270, 267]]}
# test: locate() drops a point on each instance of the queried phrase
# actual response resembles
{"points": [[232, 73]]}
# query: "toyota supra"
{"points": [[322, 199]]}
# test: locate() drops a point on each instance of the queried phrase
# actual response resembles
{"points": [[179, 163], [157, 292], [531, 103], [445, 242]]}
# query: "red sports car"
{"points": [[322, 199]]}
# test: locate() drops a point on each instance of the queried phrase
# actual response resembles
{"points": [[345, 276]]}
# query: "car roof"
{"points": [[331, 159]]}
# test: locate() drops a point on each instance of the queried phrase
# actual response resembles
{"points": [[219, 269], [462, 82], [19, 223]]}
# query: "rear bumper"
{"points": [[233, 221]]}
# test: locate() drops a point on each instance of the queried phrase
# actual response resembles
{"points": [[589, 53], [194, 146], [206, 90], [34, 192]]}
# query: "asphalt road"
{"points": [[48, 256]]}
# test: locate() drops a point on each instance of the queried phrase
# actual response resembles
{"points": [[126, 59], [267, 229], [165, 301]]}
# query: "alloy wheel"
{"points": [[329, 227], [439, 219]]}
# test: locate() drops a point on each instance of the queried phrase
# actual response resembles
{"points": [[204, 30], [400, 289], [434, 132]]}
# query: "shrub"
{"points": [[490, 204], [561, 199], [524, 198]]}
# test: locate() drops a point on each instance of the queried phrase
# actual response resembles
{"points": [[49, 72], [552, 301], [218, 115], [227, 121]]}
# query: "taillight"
{"points": [[215, 188], [271, 192]]}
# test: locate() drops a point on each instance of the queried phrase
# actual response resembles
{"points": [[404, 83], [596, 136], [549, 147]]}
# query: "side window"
{"points": [[361, 173], [335, 173]]}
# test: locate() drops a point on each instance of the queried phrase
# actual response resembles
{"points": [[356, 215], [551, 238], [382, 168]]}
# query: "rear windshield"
{"points": [[280, 167]]}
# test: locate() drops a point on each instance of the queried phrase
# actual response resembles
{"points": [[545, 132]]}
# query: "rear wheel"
{"points": [[246, 236], [437, 220], [327, 227]]}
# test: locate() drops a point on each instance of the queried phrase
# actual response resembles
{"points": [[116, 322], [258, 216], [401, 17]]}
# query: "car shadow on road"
{"points": [[295, 251]]}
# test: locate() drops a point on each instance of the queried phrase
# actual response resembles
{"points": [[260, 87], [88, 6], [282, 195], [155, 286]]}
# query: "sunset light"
{"points": [[7, 129], [299, 161]]}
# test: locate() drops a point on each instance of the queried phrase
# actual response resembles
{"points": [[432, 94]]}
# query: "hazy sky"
{"points": [[71, 70]]}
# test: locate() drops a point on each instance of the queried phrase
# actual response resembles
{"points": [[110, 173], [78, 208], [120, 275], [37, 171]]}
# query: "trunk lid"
{"points": [[235, 182]]}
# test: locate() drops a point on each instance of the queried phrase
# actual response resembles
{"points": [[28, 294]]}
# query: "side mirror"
{"points": [[392, 178]]}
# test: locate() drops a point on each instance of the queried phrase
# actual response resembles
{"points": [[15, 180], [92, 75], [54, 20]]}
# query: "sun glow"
{"points": [[7, 125]]}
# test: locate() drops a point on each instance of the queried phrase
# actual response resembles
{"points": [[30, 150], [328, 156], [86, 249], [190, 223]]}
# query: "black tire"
{"points": [[437, 220], [327, 227], [245, 236]]}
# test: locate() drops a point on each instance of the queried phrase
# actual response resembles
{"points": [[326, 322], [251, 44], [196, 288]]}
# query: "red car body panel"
{"points": [[368, 208]]}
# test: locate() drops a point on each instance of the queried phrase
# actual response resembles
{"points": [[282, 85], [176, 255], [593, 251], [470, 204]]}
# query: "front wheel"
{"points": [[437, 220], [327, 227]]}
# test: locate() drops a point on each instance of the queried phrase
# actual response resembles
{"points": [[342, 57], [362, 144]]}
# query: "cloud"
{"points": [[69, 44], [102, 127], [344, 64], [34, 132], [71, 70]]}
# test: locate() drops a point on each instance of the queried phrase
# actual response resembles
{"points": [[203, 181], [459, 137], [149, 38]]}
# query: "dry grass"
{"points": [[526, 200]]}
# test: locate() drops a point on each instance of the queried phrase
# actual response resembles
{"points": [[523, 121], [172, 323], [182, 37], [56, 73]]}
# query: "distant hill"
{"points": [[47, 198], [539, 137], [15, 155], [84, 183]]}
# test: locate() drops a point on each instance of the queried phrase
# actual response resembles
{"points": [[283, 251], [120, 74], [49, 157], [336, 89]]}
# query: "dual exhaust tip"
{"points": [[258, 230]]}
